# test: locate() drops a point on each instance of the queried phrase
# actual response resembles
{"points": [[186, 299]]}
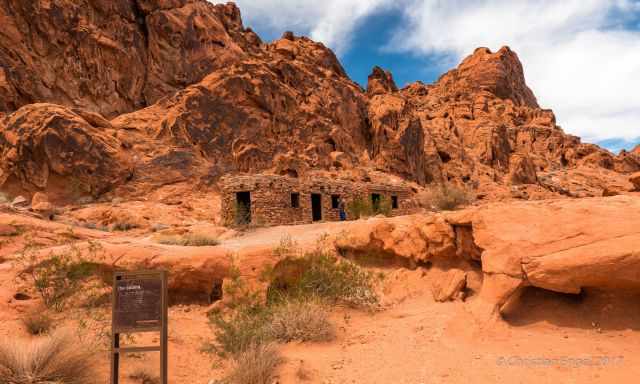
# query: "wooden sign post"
{"points": [[139, 305]]}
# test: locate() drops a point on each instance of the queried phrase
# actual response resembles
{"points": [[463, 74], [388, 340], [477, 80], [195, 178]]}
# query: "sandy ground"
{"points": [[545, 337]]}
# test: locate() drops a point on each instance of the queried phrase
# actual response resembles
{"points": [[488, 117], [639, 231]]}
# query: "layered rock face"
{"points": [[112, 57], [192, 94], [291, 110], [43, 140]]}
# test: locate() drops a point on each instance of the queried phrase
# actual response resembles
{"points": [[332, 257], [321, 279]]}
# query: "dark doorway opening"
{"points": [[243, 208], [394, 202], [335, 201], [375, 201], [316, 206], [295, 200]]}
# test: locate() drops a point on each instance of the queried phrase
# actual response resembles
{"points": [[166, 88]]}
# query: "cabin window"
{"points": [[394, 202]]}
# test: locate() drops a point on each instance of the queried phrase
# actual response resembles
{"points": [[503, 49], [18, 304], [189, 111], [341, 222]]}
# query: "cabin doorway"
{"points": [[316, 206], [243, 208]]}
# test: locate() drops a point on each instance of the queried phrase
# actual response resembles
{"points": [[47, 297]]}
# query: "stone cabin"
{"points": [[283, 200]]}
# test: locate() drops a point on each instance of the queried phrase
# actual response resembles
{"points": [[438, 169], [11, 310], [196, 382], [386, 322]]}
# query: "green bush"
{"points": [[322, 275], [59, 275], [383, 207], [245, 327]]}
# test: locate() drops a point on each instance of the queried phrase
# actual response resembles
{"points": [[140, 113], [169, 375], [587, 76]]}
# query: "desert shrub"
{"points": [[286, 248], [37, 323], [359, 208], [383, 207], [445, 198], [300, 321], [326, 277], [190, 240], [244, 328], [143, 376], [256, 365], [282, 322], [60, 274], [47, 360]]}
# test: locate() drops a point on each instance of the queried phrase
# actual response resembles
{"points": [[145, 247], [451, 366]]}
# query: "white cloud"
{"points": [[329, 21], [578, 59]]}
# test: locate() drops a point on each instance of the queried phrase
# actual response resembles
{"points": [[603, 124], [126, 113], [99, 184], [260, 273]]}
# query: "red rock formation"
{"points": [[293, 109], [380, 81], [218, 101], [481, 124], [113, 57]]}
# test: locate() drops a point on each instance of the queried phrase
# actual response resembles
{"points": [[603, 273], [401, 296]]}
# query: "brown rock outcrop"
{"points": [[42, 140], [380, 82], [245, 117], [448, 285], [112, 57]]}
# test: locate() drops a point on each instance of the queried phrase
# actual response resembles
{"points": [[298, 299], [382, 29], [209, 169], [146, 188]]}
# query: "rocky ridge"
{"points": [[197, 95]]}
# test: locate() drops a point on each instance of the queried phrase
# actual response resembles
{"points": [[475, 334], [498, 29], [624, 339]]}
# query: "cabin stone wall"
{"points": [[271, 198]]}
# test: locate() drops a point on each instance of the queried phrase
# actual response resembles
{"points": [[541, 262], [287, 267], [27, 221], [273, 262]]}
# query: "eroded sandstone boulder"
{"points": [[448, 285], [41, 141], [560, 245]]}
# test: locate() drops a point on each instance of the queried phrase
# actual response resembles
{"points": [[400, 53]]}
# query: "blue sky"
{"points": [[581, 57]]}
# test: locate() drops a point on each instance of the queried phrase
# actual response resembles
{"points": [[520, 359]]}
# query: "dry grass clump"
{"points": [[189, 240], [256, 365], [143, 376], [283, 322], [446, 197], [37, 323], [55, 359], [301, 321]]}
